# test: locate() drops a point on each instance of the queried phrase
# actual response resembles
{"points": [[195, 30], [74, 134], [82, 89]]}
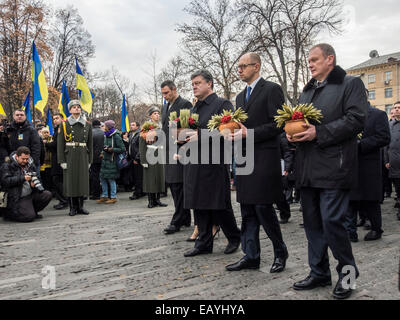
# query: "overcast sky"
{"points": [[126, 32]]}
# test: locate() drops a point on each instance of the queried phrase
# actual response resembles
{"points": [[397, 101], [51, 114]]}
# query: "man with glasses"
{"points": [[257, 192]]}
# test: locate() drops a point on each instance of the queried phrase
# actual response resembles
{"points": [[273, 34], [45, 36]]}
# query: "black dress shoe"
{"points": [[341, 293], [136, 196], [311, 283], [284, 221], [171, 229], [231, 248], [367, 225], [157, 202], [195, 252], [94, 198], [38, 216], [191, 240], [279, 264], [373, 235], [243, 264], [61, 206]]}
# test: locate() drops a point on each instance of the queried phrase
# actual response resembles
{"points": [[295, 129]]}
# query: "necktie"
{"points": [[248, 94]]}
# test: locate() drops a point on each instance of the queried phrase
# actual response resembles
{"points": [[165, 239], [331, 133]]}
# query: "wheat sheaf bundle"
{"points": [[302, 111], [238, 116]]}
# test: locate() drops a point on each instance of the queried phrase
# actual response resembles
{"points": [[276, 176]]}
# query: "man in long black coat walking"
{"points": [[257, 191], [207, 186], [326, 168], [174, 171]]}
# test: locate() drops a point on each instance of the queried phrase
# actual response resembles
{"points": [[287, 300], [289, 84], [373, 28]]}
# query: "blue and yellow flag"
{"points": [[64, 100], [83, 89], [2, 111], [124, 117], [40, 92], [49, 122], [27, 107]]}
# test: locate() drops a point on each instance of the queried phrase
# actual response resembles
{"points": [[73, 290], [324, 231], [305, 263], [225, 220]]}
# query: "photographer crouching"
{"points": [[26, 195]]}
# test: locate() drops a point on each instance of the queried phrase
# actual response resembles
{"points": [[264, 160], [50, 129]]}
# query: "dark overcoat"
{"points": [[173, 172], [376, 135], [77, 158], [207, 186], [330, 160], [392, 154], [264, 185]]}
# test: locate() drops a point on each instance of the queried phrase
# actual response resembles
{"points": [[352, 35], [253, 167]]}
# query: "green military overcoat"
{"points": [[75, 148], [153, 175]]}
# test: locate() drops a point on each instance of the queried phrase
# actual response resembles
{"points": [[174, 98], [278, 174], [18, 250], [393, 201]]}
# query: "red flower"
{"points": [[226, 119], [177, 120], [191, 121], [297, 116], [151, 128]]}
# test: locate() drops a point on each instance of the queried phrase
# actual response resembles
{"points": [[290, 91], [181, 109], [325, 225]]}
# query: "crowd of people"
{"points": [[339, 170]]}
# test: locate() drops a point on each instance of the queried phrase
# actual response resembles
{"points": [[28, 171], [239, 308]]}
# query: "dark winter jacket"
{"points": [[25, 135], [392, 154], [109, 169], [12, 180], [330, 160], [52, 147], [4, 147], [98, 143]]}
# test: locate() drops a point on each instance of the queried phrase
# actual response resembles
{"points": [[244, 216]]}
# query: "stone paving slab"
{"points": [[120, 252]]}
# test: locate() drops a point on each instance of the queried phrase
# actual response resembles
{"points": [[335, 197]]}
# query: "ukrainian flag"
{"points": [[83, 89], [27, 107], [40, 92], [64, 100], [2, 110], [124, 117], [49, 122]]}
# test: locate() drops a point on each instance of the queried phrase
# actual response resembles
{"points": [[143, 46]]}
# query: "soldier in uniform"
{"points": [[153, 174], [75, 154]]}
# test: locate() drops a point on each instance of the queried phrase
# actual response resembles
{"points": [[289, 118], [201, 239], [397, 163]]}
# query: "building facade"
{"points": [[381, 76]]}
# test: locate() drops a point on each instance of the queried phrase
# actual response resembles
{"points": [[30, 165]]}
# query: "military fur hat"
{"points": [[74, 103], [152, 110]]}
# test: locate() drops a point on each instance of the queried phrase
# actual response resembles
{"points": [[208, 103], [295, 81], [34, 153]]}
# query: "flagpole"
{"points": [[33, 101]]}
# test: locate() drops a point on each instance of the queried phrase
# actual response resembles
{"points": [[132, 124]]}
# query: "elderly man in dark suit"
{"points": [[174, 171], [326, 168], [258, 191]]}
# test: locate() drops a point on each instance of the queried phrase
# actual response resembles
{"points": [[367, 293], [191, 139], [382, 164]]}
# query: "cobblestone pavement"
{"points": [[120, 252]]}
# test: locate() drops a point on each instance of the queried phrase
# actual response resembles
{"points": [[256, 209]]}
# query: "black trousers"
{"points": [[138, 178], [283, 207], [94, 180], [181, 216], [205, 220], [396, 183], [324, 213], [371, 210], [30, 206], [254, 216], [58, 188]]}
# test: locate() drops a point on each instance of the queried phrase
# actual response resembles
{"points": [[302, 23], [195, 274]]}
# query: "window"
{"points": [[388, 76], [371, 78], [371, 95], [388, 107], [388, 93]]}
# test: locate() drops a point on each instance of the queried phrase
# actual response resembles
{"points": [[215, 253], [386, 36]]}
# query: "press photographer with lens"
{"points": [[26, 196]]}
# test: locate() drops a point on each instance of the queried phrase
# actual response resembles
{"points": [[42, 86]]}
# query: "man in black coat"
{"points": [[94, 173], [326, 168], [134, 156], [207, 186], [392, 154], [257, 191], [366, 198], [174, 171], [56, 170], [26, 196], [21, 133]]}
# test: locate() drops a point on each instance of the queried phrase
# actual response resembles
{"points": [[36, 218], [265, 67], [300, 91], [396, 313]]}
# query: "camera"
{"points": [[36, 182]]}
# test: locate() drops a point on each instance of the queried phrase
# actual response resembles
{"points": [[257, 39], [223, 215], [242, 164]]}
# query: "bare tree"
{"points": [[177, 71], [69, 40], [285, 30], [212, 41], [152, 90], [21, 22]]}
